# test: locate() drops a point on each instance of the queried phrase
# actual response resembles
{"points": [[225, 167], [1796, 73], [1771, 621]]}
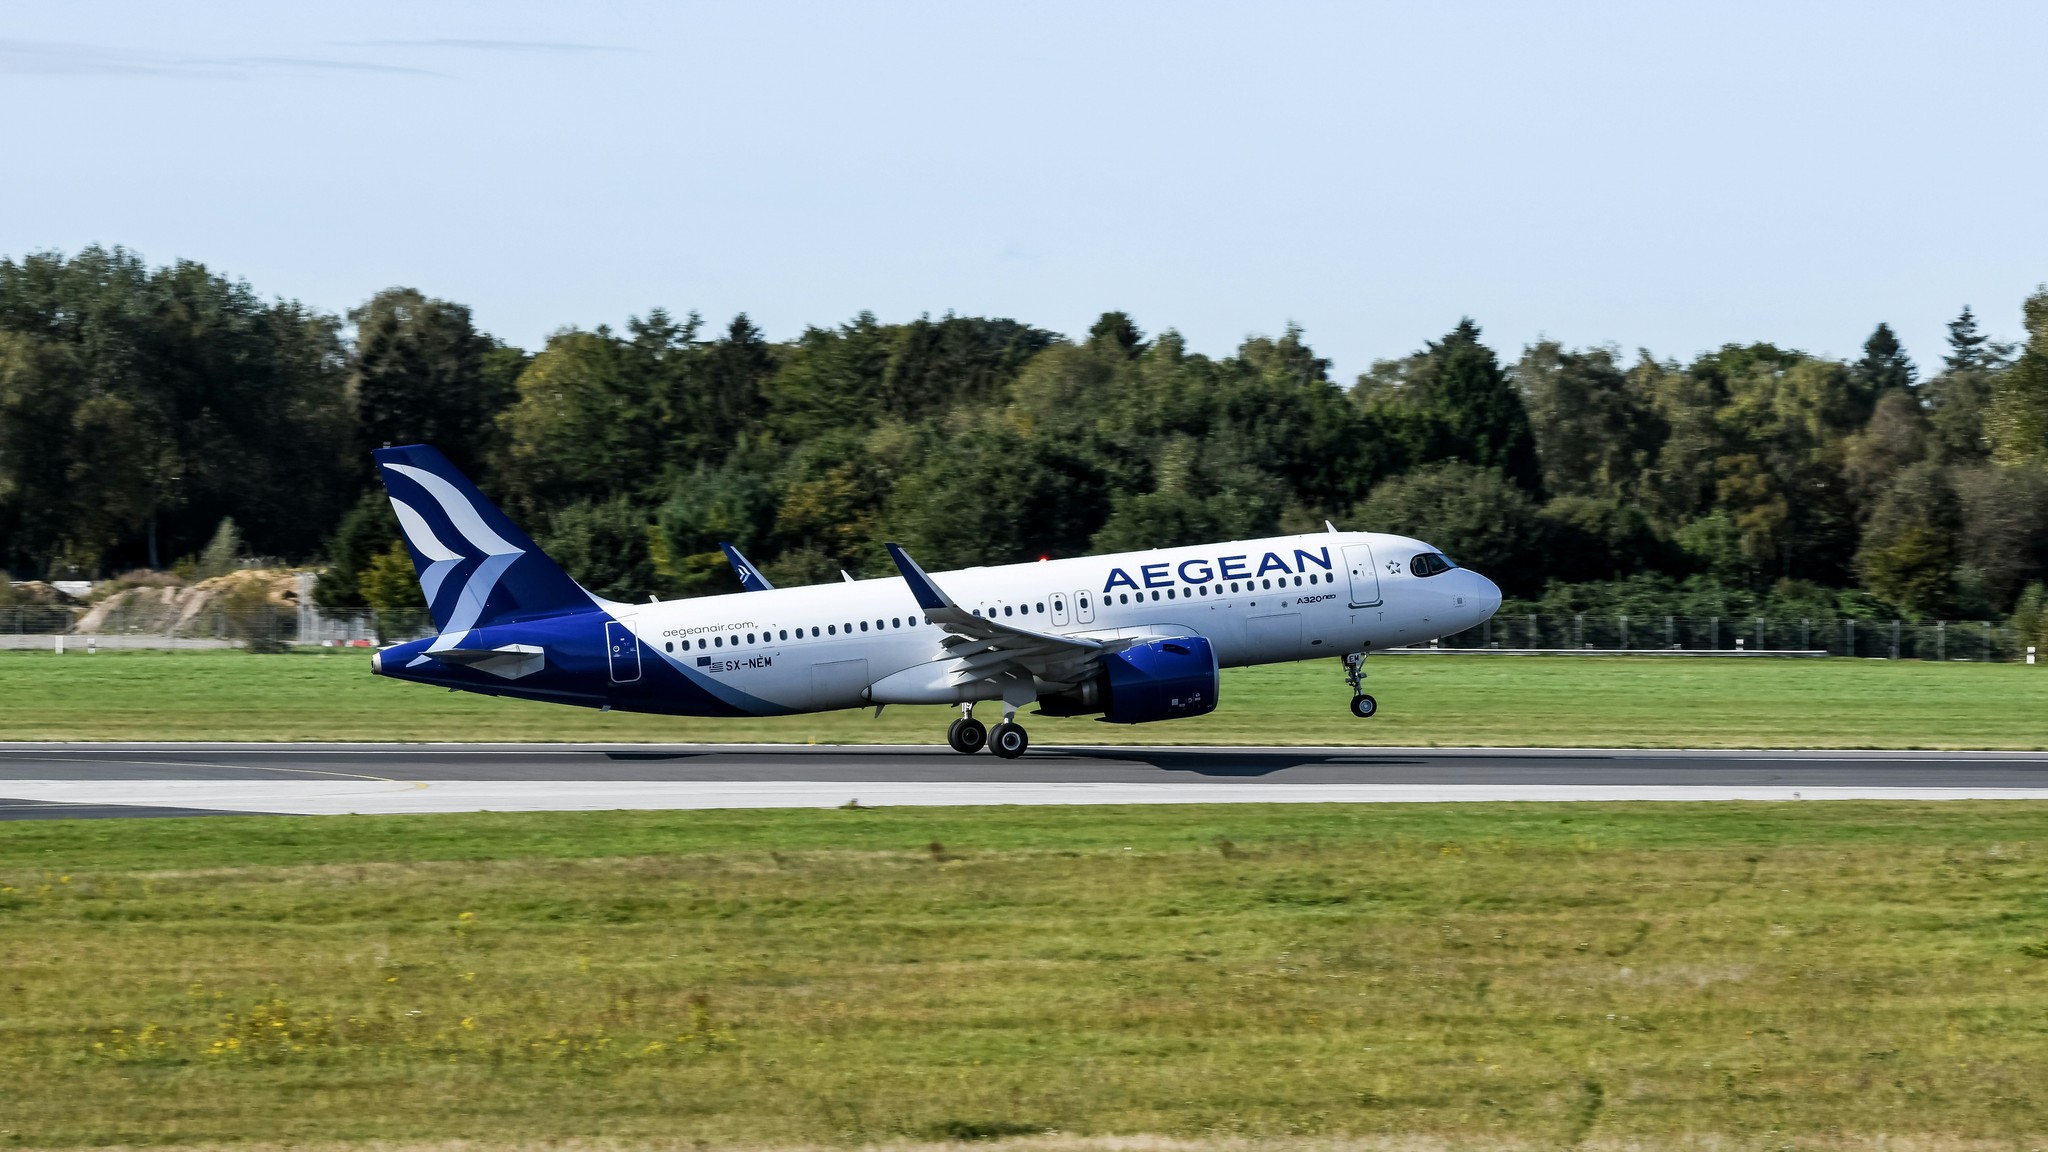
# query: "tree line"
{"points": [[142, 408]]}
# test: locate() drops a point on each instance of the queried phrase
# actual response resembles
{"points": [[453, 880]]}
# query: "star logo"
{"points": [[1394, 566]]}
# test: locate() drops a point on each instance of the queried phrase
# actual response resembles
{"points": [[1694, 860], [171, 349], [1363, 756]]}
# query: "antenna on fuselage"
{"points": [[848, 575], [1331, 528]]}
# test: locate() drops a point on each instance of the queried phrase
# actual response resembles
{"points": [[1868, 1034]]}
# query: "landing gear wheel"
{"points": [[966, 735], [1008, 740], [1363, 706]]}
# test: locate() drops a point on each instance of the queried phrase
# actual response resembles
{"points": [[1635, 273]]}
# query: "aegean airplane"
{"points": [[1130, 638]]}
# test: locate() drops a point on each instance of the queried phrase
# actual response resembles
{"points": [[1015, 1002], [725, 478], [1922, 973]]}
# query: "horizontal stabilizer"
{"points": [[510, 661]]}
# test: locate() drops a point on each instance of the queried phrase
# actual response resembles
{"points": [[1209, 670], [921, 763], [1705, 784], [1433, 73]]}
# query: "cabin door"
{"points": [[622, 650], [1365, 575]]}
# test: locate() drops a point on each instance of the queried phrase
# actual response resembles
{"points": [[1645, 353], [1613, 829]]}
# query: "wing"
{"points": [[750, 577], [987, 649]]}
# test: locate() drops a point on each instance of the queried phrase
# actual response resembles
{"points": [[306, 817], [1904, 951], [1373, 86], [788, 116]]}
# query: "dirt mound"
{"points": [[43, 593], [170, 610]]}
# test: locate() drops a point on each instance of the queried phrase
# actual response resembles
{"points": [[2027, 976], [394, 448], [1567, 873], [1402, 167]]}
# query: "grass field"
{"points": [[1731, 976], [1424, 700]]}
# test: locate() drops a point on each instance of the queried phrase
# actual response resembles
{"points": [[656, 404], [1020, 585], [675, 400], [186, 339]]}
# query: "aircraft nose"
{"points": [[1487, 594]]}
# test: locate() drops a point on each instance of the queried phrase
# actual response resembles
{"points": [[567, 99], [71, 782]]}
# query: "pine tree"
{"points": [[1474, 412], [1115, 330], [223, 553], [1884, 365], [1965, 343]]}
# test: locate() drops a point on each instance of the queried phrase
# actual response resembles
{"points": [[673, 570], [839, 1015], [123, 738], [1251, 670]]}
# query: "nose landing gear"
{"points": [[1362, 705]]}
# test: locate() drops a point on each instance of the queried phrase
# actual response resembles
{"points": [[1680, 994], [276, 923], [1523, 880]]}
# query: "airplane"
{"points": [[1130, 638]]}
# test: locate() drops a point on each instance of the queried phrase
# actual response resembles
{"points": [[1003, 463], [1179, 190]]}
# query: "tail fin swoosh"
{"points": [[476, 567], [751, 579]]}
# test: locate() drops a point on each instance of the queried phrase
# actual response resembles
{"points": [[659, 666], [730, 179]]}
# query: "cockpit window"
{"points": [[1430, 563]]}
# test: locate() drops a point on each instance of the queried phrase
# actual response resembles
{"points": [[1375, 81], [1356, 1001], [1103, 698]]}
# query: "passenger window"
{"points": [[1009, 611], [832, 628], [1204, 590], [785, 633], [896, 621], [1155, 594], [1124, 598], [750, 637], [849, 627], [1169, 593], [1041, 609], [863, 625], [671, 645], [718, 640]]}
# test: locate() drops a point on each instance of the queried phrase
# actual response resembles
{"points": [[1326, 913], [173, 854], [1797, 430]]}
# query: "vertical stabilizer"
{"points": [[475, 566]]}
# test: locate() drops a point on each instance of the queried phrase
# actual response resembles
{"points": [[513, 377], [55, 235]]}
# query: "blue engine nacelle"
{"points": [[1157, 680]]}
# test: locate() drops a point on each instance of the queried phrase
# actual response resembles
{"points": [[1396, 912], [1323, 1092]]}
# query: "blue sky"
{"points": [[1657, 175]]}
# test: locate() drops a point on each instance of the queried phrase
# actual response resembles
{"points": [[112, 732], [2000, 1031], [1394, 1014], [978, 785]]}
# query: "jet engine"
{"points": [[1157, 680]]}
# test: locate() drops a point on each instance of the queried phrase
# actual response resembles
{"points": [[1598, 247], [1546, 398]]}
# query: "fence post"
{"points": [[1849, 637], [1941, 641], [1987, 642], [1806, 634], [1579, 630], [1713, 633], [1671, 632], [1535, 638], [1759, 633], [1486, 633], [1624, 633]]}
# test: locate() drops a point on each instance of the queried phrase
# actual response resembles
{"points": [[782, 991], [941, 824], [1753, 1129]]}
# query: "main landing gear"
{"points": [[1006, 739], [966, 735], [1362, 705]]}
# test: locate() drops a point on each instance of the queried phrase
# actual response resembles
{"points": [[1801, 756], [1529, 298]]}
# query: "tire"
{"points": [[1363, 706], [966, 736], [1008, 740]]}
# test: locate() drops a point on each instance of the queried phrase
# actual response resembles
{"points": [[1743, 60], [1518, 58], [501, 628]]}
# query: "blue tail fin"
{"points": [[751, 579], [476, 567]]}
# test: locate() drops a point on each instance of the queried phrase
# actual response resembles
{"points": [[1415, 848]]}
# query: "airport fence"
{"points": [[43, 626], [39, 626], [1970, 640]]}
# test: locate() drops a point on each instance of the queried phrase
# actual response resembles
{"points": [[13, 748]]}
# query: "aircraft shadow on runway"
{"points": [[1240, 765]]}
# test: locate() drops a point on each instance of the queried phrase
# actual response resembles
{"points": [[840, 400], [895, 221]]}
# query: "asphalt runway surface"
{"points": [[46, 781]]}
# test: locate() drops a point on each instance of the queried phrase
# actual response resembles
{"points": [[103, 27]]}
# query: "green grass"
{"points": [[1512, 975], [1448, 700]]}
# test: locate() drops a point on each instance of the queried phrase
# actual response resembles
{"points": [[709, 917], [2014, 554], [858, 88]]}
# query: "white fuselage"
{"points": [[1256, 601]]}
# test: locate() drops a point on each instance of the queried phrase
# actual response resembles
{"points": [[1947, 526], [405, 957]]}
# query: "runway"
{"points": [[46, 781]]}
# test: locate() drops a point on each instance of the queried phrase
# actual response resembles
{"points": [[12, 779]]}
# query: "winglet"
{"points": [[750, 576], [927, 593]]}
